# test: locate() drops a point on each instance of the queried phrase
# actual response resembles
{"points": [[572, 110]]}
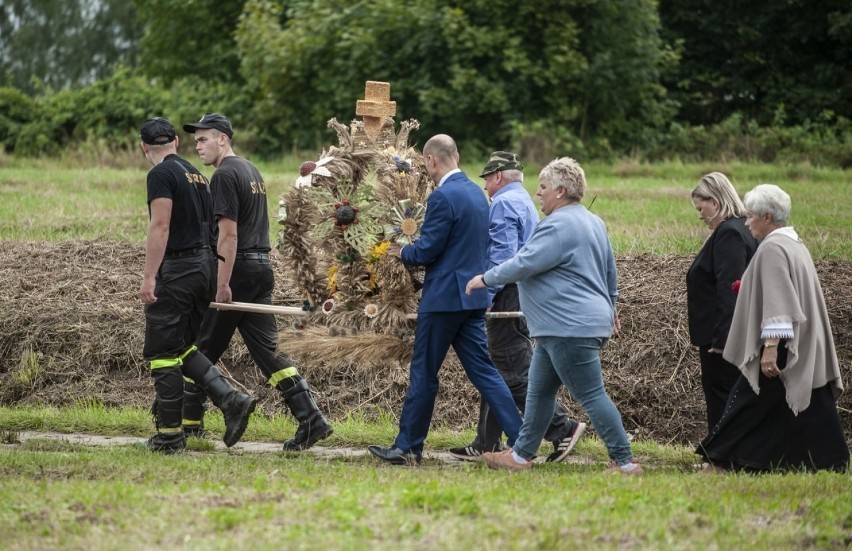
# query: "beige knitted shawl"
{"points": [[781, 285]]}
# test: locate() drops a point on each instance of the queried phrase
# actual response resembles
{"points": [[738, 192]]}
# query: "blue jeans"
{"points": [[511, 350], [575, 362]]}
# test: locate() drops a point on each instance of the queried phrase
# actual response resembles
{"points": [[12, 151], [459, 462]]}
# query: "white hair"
{"points": [[513, 175], [769, 199]]}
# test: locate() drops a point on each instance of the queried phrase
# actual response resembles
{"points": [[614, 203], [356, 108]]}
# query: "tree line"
{"points": [[696, 79]]}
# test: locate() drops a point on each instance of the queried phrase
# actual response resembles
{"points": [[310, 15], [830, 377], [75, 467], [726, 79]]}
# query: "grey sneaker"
{"points": [[634, 469], [561, 448]]}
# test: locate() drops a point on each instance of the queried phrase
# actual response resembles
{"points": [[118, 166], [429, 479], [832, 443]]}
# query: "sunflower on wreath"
{"points": [[406, 221]]}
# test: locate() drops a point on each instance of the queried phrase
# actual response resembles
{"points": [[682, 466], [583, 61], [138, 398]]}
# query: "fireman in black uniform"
{"points": [[245, 275], [177, 285]]}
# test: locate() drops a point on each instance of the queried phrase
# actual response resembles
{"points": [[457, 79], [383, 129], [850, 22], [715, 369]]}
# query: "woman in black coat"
{"points": [[711, 285]]}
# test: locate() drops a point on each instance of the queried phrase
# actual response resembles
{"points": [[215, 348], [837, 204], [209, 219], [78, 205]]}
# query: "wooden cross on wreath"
{"points": [[375, 107]]}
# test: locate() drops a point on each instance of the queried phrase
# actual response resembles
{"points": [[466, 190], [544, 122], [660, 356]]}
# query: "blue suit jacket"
{"points": [[452, 246]]}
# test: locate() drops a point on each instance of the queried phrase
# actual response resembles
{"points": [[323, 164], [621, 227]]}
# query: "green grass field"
{"points": [[646, 207], [60, 495]]}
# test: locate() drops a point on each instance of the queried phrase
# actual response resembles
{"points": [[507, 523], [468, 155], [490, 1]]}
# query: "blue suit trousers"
{"points": [[435, 333]]}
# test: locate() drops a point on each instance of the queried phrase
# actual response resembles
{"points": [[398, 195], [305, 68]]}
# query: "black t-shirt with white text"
{"points": [[240, 195], [191, 223]]}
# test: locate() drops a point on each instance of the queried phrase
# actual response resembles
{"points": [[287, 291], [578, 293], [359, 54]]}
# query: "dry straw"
{"points": [[71, 329]]}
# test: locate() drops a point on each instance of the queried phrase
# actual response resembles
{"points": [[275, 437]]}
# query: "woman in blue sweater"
{"points": [[567, 279]]}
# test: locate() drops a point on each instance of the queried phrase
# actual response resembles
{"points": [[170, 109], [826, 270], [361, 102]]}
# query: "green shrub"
{"points": [[826, 142], [108, 113], [540, 142], [15, 109]]}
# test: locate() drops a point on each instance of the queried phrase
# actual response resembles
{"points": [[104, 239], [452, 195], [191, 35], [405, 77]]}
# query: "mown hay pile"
{"points": [[71, 329]]}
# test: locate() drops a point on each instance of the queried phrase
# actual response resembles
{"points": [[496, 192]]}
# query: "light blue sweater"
{"points": [[566, 276]]}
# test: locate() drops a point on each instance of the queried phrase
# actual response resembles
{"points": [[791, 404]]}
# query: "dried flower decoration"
{"points": [[345, 215], [332, 278], [282, 211], [407, 219], [403, 165], [351, 214], [311, 168]]}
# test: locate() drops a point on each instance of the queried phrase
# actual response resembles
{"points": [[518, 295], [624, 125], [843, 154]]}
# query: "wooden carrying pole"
{"points": [[296, 311]]}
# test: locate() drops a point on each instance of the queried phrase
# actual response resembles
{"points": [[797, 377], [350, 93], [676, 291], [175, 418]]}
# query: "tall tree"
{"points": [[189, 38], [64, 43], [774, 62], [469, 68]]}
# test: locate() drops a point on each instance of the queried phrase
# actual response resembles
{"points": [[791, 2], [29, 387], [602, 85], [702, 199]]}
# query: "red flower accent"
{"points": [[735, 287], [307, 167]]}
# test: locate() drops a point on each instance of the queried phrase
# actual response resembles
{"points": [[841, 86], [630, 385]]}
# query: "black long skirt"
{"points": [[758, 432]]}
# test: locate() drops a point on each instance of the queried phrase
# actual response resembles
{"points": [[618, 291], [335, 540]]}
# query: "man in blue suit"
{"points": [[452, 246]]}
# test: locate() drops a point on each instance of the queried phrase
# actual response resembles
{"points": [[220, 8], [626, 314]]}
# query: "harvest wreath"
{"points": [[336, 224]]}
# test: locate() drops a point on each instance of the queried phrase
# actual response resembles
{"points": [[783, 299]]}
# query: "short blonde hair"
{"points": [[716, 186], [565, 173]]}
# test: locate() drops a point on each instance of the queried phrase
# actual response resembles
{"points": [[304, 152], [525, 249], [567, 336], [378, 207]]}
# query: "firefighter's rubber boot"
{"points": [[193, 410], [236, 406], [169, 438], [313, 426]]}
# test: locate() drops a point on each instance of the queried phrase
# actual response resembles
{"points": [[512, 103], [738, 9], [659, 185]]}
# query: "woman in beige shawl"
{"points": [[781, 413]]}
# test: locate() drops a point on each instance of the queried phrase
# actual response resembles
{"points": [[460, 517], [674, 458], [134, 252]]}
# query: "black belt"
{"points": [[252, 256], [186, 252]]}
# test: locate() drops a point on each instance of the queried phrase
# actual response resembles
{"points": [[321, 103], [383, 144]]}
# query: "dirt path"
{"points": [[320, 452]]}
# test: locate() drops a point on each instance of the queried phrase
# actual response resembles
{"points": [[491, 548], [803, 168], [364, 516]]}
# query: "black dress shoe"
{"points": [[395, 456]]}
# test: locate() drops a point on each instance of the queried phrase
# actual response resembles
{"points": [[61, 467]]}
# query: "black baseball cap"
{"points": [[157, 131], [211, 120]]}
